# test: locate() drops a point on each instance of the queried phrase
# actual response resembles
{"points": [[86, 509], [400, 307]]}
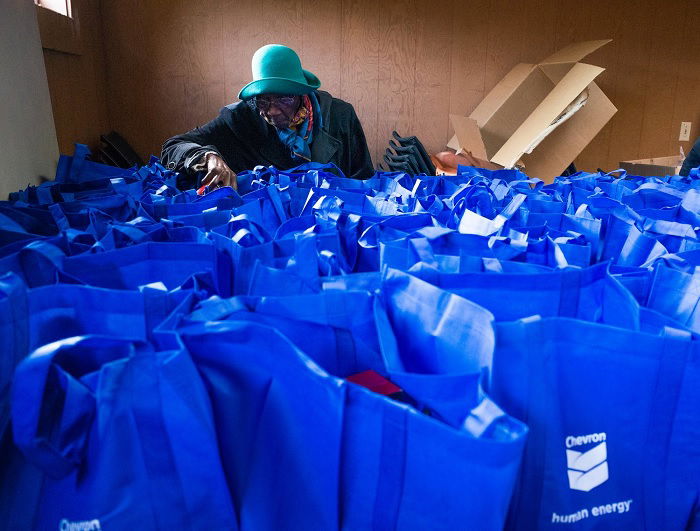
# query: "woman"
{"points": [[283, 120], [692, 160]]}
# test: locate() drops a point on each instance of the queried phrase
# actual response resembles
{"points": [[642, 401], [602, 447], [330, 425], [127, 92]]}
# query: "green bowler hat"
{"points": [[277, 70]]}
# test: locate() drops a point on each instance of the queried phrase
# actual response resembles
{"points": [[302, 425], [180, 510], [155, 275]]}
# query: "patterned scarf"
{"points": [[299, 135]]}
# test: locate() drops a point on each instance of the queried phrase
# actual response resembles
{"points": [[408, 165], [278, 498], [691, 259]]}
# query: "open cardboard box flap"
{"points": [[563, 93], [527, 105], [493, 101], [573, 53], [467, 130]]}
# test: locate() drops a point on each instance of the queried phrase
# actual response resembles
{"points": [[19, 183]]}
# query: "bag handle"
{"points": [[52, 409], [41, 263], [273, 193], [317, 166], [450, 397], [623, 173], [330, 264], [244, 231], [407, 224], [424, 251], [217, 309], [69, 168]]}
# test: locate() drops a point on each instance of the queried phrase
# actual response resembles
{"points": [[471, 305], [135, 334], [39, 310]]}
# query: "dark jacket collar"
{"points": [[324, 146]]}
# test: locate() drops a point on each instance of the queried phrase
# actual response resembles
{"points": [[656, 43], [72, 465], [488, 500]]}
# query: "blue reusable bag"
{"points": [[637, 280], [167, 262], [329, 454], [14, 337], [436, 345], [278, 422], [335, 328], [609, 417], [123, 435], [675, 292], [32, 318], [77, 169], [64, 310], [346, 329], [38, 263], [17, 225], [315, 255], [590, 294], [449, 251], [403, 470], [185, 204]]}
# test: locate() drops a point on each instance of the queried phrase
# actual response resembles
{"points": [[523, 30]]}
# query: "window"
{"points": [[59, 6]]}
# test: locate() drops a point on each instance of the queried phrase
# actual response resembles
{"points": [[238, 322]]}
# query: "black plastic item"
{"points": [[405, 159], [113, 155], [411, 151], [403, 168], [412, 140], [570, 170], [121, 151], [104, 156], [402, 159], [397, 166]]}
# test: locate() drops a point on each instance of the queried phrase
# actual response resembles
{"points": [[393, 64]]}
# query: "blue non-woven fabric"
{"points": [[34, 317], [170, 263], [590, 294], [676, 293], [335, 328], [124, 437], [408, 276], [607, 410], [14, 338], [415, 318], [332, 454], [61, 311]]}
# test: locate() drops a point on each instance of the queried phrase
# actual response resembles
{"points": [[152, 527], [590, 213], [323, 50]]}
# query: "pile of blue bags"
{"points": [[175, 361]]}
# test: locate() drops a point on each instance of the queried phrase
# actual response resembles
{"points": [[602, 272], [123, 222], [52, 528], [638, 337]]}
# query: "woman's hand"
{"points": [[218, 173]]}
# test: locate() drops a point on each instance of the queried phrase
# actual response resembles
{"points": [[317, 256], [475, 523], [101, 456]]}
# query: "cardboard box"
{"points": [[541, 115], [654, 167]]}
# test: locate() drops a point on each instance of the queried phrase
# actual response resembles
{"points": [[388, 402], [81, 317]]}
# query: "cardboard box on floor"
{"points": [[654, 167], [541, 116]]}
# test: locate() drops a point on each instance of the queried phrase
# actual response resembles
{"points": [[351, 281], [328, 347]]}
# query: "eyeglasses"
{"points": [[264, 102]]}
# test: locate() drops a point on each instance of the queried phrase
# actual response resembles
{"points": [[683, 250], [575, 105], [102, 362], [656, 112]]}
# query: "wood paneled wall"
{"points": [[76, 74], [403, 64]]}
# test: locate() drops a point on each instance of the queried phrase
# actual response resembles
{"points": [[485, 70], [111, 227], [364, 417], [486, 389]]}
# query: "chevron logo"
{"points": [[587, 470]]}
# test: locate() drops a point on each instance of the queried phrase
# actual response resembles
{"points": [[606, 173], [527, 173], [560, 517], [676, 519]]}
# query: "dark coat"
{"points": [[244, 140], [692, 160]]}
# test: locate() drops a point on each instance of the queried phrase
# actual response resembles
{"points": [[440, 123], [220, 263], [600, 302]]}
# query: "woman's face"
{"points": [[278, 109]]}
